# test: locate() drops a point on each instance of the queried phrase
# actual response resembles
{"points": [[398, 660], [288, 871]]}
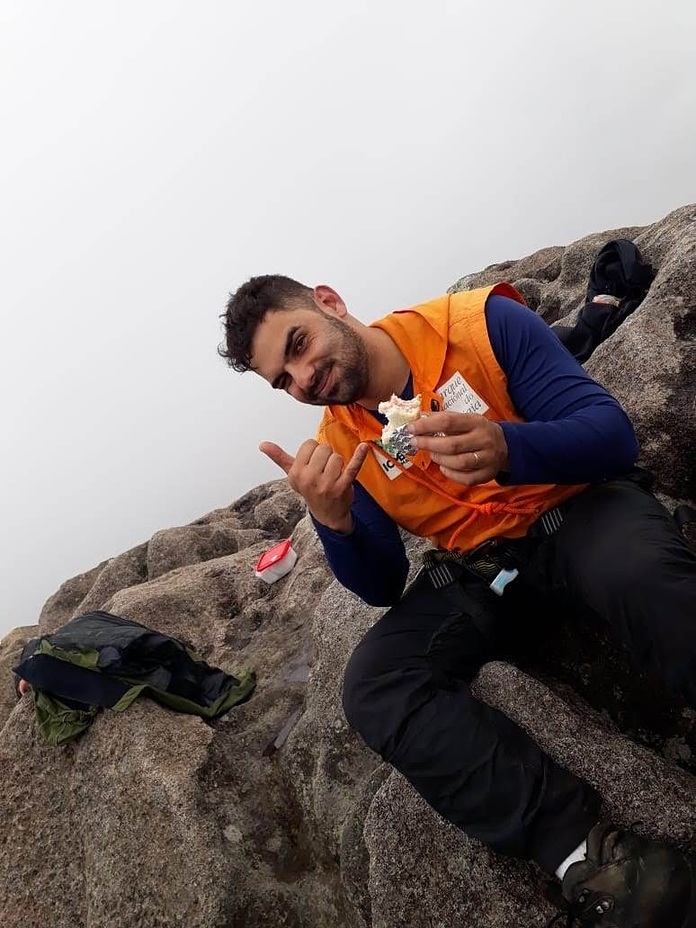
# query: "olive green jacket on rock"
{"points": [[99, 660]]}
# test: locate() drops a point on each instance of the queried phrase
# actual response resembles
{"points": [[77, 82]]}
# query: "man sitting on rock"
{"points": [[520, 471]]}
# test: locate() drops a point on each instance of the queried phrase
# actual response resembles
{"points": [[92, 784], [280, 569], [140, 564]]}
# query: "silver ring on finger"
{"points": [[477, 461]]}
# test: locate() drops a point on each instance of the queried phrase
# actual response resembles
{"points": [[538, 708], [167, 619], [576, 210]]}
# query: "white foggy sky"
{"points": [[155, 154]]}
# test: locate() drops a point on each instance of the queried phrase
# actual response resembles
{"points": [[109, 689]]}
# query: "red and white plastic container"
{"points": [[276, 562]]}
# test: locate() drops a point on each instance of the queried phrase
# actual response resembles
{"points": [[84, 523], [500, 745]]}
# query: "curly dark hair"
{"points": [[247, 307]]}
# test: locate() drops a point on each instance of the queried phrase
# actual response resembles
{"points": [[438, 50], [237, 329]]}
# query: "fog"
{"points": [[157, 154]]}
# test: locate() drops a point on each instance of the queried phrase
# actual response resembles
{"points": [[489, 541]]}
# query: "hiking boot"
{"points": [[630, 882]]}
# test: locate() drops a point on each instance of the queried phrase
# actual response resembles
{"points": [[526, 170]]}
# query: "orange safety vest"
{"points": [[454, 368]]}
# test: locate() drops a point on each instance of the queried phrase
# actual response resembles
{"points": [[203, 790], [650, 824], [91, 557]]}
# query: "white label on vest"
{"points": [[458, 396], [389, 465]]}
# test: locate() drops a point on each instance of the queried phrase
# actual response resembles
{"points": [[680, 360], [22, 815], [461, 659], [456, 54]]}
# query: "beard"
{"points": [[349, 366]]}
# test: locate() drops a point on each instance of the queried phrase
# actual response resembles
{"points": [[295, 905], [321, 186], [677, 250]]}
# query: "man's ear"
{"points": [[329, 301]]}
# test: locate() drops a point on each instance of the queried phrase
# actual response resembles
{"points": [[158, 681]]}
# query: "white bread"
{"points": [[399, 413]]}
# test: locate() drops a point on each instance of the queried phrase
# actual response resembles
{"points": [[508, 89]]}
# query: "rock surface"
{"points": [[277, 814]]}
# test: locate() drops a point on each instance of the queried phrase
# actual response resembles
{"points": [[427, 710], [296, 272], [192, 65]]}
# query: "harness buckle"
{"points": [[498, 583]]}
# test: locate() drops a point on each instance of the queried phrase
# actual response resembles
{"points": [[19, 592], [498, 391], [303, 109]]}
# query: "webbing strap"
{"points": [[550, 521], [493, 561], [441, 575]]}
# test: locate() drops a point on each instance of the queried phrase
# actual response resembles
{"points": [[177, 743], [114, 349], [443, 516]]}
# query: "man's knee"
{"points": [[356, 686], [380, 694]]}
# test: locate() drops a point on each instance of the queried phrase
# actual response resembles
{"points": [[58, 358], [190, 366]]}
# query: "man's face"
{"points": [[312, 354]]}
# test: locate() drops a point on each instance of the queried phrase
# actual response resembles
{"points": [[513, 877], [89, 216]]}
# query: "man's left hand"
{"points": [[468, 448]]}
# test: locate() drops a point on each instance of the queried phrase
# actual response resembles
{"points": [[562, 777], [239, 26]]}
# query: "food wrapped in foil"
{"points": [[401, 443]]}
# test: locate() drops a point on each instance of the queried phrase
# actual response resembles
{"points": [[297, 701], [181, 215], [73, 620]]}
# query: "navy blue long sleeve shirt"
{"points": [[574, 432]]}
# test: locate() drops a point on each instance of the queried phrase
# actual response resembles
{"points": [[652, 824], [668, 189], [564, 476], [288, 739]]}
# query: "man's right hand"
{"points": [[322, 477]]}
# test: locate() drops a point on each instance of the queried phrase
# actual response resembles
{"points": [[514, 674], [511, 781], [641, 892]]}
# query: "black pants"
{"points": [[406, 689]]}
